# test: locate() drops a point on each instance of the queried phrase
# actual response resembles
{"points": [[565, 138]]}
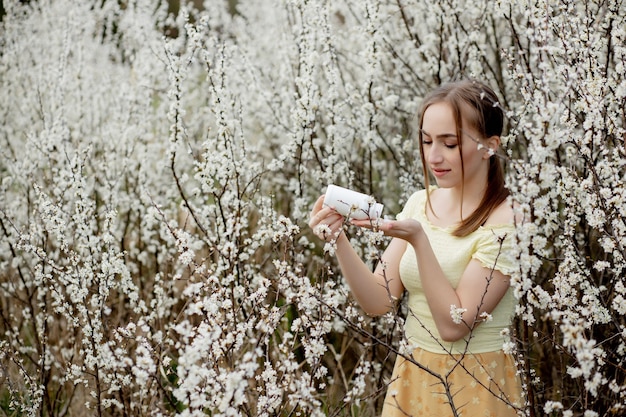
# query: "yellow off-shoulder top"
{"points": [[454, 253]]}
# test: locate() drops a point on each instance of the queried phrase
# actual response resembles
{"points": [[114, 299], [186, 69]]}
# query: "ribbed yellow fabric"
{"points": [[491, 245]]}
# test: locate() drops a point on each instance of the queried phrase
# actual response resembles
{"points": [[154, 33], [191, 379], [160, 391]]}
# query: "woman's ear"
{"points": [[492, 144]]}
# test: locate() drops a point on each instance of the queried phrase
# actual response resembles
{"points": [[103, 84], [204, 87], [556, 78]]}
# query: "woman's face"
{"points": [[440, 145]]}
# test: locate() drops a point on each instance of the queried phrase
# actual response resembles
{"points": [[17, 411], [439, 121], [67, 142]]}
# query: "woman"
{"points": [[451, 251]]}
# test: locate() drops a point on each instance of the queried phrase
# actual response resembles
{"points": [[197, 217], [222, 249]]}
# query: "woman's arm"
{"points": [[480, 289], [374, 291]]}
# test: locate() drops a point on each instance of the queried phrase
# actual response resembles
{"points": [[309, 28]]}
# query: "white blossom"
{"points": [[457, 313], [159, 167]]}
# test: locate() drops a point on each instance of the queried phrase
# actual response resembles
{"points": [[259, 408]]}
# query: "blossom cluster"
{"points": [[159, 162]]}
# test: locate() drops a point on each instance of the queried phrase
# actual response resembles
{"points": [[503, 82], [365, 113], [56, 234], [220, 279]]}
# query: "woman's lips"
{"points": [[439, 172]]}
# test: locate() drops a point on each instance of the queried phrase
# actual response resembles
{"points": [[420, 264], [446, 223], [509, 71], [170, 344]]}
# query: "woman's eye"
{"points": [[451, 145]]}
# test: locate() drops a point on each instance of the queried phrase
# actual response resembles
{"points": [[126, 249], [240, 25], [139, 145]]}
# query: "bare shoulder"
{"points": [[505, 213]]}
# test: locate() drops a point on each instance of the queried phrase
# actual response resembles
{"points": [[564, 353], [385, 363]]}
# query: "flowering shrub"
{"points": [[158, 167]]}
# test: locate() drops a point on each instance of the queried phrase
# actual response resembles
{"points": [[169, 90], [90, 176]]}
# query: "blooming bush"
{"points": [[158, 167]]}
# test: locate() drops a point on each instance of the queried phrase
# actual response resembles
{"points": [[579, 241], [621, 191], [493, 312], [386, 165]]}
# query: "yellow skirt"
{"points": [[476, 385]]}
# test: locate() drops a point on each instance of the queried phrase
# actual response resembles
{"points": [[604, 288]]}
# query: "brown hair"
{"points": [[487, 118]]}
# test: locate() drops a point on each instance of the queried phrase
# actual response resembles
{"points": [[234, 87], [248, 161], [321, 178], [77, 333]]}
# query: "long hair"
{"points": [[487, 118]]}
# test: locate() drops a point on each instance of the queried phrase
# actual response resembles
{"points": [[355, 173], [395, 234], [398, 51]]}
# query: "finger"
{"points": [[330, 215], [317, 206], [361, 223], [329, 227], [380, 224], [325, 215], [339, 221], [315, 216], [319, 203], [336, 226], [385, 224]]}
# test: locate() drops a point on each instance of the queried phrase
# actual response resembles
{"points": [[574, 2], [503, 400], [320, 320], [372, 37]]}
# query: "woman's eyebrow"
{"points": [[440, 136]]}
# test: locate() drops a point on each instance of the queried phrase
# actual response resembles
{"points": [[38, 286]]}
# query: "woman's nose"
{"points": [[434, 154]]}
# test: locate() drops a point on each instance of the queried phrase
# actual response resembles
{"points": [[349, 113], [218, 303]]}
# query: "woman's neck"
{"points": [[451, 205]]}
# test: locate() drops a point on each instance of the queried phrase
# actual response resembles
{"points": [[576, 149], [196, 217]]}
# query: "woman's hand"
{"points": [[326, 222], [376, 292], [407, 229]]}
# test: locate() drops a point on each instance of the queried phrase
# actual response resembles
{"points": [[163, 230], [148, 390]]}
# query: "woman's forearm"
{"points": [[372, 290], [440, 294]]}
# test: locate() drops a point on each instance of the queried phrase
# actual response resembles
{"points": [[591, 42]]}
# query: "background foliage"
{"points": [[158, 167]]}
